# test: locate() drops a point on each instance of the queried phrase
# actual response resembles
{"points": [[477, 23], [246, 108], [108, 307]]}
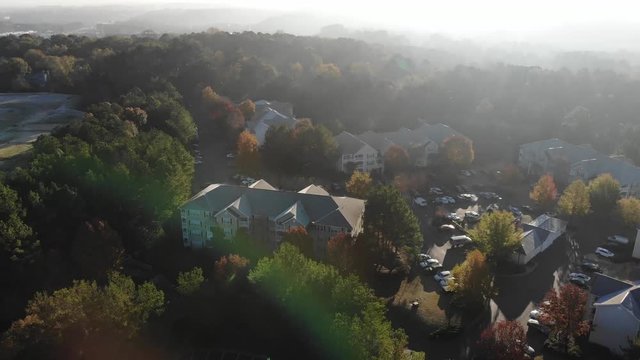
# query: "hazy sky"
{"points": [[452, 16]]}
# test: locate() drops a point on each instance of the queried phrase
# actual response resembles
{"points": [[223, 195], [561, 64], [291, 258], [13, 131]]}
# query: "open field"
{"points": [[24, 117]]}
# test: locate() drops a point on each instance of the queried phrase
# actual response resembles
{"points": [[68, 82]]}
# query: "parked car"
{"points": [[445, 284], [535, 314], [580, 282], [420, 201], [454, 217], [515, 211], [445, 200], [423, 257], [442, 275], [434, 268], [590, 266], [471, 216], [604, 252], [436, 191], [580, 276], [526, 208], [230, 156], [465, 172], [447, 227], [533, 323], [618, 239], [468, 197], [460, 240]]}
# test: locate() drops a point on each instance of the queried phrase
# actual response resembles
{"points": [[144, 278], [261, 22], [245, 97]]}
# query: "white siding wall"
{"points": [[612, 327]]}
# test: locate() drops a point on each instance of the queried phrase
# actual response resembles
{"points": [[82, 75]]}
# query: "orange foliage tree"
{"points": [[230, 267], [458, 151], [248, 158], [396, 159], [544, 192]]}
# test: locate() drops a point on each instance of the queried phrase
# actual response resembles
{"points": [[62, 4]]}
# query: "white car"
{"points": [[432, 261], [435, 191], [447, 227], [618, 239], [604, 252], [230, 156], [442, 275], [423, 257], [582, 276], [471, 216], [535, 314], [420, 201]]}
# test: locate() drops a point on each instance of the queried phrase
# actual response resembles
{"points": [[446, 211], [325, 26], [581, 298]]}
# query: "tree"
{"points": [[248, 157], [247, 108], [544, 192], [604, 192], [390, 224], [396, 159], [348, 320], [17, 240], [496, 235], [474, 280], [574, 200], [230, 268], [83, 319], [190, 281], [359, 184], [504, 340], [298, 237], [563, 310], [458, 151], [97, 249], [340, 252], [629, 209]]}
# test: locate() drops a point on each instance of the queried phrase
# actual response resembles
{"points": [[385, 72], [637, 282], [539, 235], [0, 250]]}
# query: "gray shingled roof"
{"points": [[604, 285], [349, 143], [335, 211], [538, 231]]}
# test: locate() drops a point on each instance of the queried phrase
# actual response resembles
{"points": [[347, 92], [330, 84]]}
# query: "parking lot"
{"points": [[521, 293]]}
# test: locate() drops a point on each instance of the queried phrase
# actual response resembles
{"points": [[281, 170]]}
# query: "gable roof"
{"points": [[538, 231], [262, 184], [342, 212], [628, 299], [349, 143], [603, 285], [314, 189]]}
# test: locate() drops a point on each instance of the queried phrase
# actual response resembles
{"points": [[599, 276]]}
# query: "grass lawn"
{"points": [[13, 150], [429, 310]]}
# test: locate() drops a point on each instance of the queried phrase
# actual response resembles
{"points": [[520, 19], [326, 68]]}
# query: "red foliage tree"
{"points": [[340, 252], [504, 340], [299, 237], [564, 311], [396, 159]]}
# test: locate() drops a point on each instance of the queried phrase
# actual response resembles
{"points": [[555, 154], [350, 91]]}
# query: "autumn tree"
{"points": [[563, 310], [230, 268], [574, 200], [190, 281], [247, 108], [359, 184], [474, 280], [83, 319], [396, 159], [300, 238], [248, 157], [504, 340], [496, 235], [544, 192], [629, 210], [604, 192], [458, 151], [340, 252]]}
